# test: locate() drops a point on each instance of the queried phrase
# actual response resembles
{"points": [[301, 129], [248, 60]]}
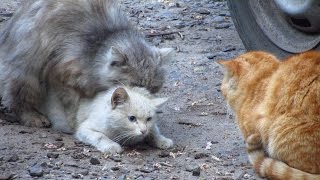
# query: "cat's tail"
{"points": [[270, 168]]}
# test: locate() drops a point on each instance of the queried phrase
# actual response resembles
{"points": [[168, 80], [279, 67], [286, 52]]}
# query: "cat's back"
{"points": [[294, 88], [44, 32], [42, 21]]}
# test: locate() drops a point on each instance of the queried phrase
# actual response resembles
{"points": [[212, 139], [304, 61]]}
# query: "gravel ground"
{"points": [[208, 142]]}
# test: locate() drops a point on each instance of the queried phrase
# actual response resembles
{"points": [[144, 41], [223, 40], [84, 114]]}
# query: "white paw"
{"points": [[110, 148], [164, 143]]}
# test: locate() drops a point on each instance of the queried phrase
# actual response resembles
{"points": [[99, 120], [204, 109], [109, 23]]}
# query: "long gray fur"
{"points": [[83, 45]]}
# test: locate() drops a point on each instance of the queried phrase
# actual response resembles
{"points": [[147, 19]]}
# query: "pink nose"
{"points": [[143, 131]]}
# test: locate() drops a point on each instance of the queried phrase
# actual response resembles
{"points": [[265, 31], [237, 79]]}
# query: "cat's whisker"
{"points": [[129, 137], [120, 82], [121, 137]]}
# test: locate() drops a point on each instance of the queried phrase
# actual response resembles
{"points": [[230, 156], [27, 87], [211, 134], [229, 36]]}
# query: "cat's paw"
{"points": [[33, 119], [163, 143], [110, 148]]}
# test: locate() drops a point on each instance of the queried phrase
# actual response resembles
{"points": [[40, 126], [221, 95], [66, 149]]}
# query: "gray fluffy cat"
{"points": [[82, 46], [119, 116]]}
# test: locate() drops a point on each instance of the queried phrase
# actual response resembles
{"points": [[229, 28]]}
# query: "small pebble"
{"points": [[76, 176], [115, 159], [105, 178], [180, 25], [58, 164], [94, 161], [13, 158], [164, 154], [222, 26], [169, 37], [203, 11], [43, 135], [84, 172], [36, 171], [59, 139], [196, 171], [115, 168], [146, 170], [122, 177], [200, 155], [190, 168], [52, 155], [218, 19]]}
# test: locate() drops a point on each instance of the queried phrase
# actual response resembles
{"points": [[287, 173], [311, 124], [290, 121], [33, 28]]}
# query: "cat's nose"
{"points": [[143, 131]]}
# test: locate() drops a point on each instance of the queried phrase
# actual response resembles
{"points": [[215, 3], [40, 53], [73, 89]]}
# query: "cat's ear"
{"points": [[159, 101], [233, 67], [166, 55], [118, 59], [119, 97]]}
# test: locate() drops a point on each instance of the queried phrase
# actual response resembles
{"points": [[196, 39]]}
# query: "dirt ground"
{"points": [[208, 142]]}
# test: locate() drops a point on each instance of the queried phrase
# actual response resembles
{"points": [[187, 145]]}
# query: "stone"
{"points": [[200, 155], [52, 155], [146, 169], [122, 177], [94, 161], [115, 168], [115, 158], [164, 154], [194, 168], [196, 171], [218, 19], [36, 171], [169, 37], [43, 135], [13, 158], [203, 11], [180, 25], [84, 172], [76, 176], [222, 26], [59, 139]]}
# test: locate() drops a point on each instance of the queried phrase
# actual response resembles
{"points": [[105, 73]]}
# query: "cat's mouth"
{"points": [[141, 135]]}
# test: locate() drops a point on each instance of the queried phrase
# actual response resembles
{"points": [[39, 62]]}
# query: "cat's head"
{"points": [[134, 111], [139, 65], [242, 74]]}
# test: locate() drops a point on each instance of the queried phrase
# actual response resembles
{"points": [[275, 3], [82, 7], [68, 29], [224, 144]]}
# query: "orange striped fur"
{"points": [[277, 107]]}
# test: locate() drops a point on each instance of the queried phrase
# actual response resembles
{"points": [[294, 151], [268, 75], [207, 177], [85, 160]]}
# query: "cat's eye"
{"points": [[149, 118], [132, 118]]}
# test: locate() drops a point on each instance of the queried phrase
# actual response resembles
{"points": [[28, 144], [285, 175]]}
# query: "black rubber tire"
{"points": [[249, 31]]}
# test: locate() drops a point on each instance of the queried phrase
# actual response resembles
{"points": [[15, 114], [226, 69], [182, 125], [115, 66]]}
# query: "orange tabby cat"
{"points": [[277, 107]]}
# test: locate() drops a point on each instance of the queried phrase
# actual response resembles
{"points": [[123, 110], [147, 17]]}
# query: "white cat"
{"points": [[120, 116]]}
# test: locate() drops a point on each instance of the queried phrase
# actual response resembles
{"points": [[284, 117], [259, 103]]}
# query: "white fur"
{"points": [[98, 124]]}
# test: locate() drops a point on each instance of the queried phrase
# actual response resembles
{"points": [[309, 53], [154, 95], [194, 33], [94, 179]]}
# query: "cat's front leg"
{"points": [[23, 95], [98, 140], [156, 139]]}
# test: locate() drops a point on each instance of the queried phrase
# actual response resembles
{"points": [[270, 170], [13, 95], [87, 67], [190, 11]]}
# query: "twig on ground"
{"points": [[163, 33]]}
